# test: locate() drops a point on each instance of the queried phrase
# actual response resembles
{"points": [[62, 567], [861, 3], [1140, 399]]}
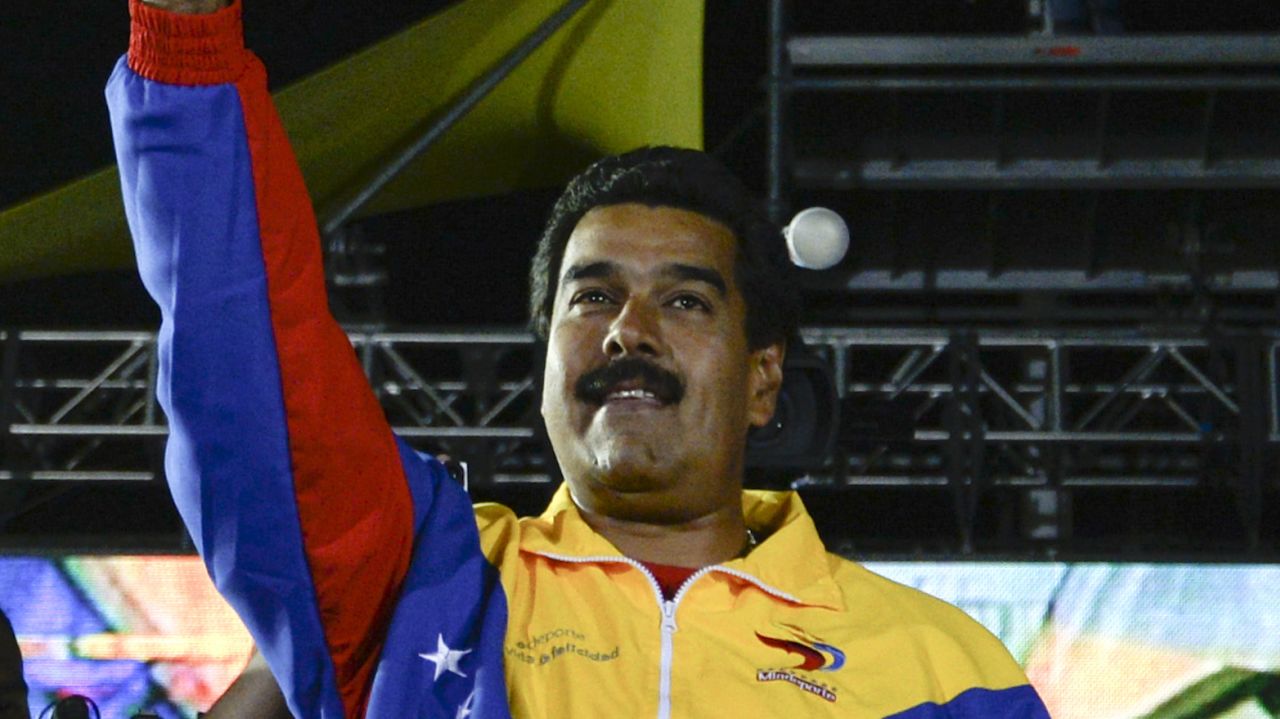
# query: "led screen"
{"points": [[1163, 641], [1097, 640], [131, 633]]}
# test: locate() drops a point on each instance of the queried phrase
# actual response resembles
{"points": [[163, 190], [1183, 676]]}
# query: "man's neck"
{"points": [[709, 539]]}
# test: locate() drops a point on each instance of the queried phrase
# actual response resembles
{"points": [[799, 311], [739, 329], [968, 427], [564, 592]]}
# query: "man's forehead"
{"points": [[656, 234], [675, 271]]}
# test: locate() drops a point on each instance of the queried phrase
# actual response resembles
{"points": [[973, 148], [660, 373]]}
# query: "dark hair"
{"points": [[686, 180]]}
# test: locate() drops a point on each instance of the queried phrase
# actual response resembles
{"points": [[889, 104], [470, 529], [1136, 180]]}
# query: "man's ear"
{"points": [[764, 382]]}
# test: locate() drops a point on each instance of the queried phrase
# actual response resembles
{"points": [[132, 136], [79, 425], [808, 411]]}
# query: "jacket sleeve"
{"points": [[279, 457]]}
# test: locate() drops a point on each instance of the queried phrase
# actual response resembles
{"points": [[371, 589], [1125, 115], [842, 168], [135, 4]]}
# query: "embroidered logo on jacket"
{"points": [[546, 647], [814, 656], [773, 675]]}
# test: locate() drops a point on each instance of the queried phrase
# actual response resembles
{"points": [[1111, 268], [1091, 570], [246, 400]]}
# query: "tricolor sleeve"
{"points": [[279, 457]]}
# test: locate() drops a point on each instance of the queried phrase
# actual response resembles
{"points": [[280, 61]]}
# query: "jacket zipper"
{"points": [[668, 608], [669, 629]]}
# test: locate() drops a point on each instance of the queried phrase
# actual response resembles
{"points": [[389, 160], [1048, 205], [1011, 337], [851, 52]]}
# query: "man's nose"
{"points": [[634, 331]]}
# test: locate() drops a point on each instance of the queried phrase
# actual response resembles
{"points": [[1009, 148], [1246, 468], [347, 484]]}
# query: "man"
{"points": [[652, 585]]}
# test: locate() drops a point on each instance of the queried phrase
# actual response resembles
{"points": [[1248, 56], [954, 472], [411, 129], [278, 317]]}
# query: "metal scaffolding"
{"points": [[1082, 76], [966, 412], [1051, 413], [1128, 154], [80, 405]]}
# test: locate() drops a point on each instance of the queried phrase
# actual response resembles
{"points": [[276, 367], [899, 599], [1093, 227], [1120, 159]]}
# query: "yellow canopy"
{"points": [[620, 74]]}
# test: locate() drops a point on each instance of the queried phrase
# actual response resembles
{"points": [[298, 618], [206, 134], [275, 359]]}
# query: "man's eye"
{"points": [[690, 302], [594, 297]]}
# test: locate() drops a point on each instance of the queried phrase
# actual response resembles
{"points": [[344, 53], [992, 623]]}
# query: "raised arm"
{"points": [[279, 456]]}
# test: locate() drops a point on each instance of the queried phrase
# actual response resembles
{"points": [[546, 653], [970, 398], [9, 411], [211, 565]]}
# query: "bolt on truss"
{"points": [[967, 411]]}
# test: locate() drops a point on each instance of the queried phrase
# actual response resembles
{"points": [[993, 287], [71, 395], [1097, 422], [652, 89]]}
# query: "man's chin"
{"points": [[626, 484], [630, 436], [629, 470], [626, 495]]}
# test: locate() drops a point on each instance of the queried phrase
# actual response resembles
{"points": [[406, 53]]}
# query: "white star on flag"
{"points": [[445, 659]]}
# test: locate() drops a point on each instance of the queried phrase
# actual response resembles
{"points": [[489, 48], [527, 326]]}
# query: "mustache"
{"points": [[595, 385]]}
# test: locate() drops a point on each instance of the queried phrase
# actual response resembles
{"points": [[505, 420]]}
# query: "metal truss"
{"points": [[1032, 389], [470, 395], [1051, 412], [81, 405], [1000, 74], [888, 129], [965, 412]]}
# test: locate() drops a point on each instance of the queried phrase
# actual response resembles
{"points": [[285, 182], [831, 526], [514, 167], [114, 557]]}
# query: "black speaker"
{"points": [[801, 434]]}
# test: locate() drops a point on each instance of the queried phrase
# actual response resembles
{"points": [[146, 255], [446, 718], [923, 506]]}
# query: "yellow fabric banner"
{"points": [[616, 76]]}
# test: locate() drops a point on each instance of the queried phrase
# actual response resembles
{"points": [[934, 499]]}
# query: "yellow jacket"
{"points": [[790, 630]]}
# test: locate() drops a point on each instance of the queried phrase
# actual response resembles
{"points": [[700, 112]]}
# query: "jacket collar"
{"points": [[791, 557]]}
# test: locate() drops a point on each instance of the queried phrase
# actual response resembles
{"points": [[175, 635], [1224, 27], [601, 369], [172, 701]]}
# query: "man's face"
{"points": [[650, 387]]}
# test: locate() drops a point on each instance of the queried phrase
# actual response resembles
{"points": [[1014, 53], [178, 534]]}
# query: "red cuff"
{"points": [[179, 49]]}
